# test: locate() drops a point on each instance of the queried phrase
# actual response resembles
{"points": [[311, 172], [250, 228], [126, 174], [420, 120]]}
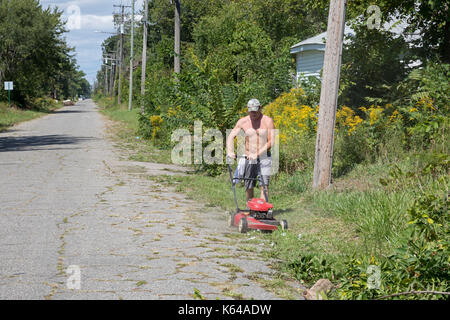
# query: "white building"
{"points": [[309, 54]]}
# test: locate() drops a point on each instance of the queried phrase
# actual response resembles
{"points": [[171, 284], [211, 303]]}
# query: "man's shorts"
{"points": [[252, 171]]}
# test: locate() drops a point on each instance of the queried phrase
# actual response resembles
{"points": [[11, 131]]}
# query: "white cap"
{"points": [[253, 105]]}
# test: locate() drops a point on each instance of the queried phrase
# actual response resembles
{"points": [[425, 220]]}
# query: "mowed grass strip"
{"points": [[13, 115], [127, 132]]}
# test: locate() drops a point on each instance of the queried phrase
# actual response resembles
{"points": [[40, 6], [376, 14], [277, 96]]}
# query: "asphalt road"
{"points": [[77, 222]]}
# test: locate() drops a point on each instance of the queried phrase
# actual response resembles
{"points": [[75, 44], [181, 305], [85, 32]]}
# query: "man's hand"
{"points": [[252, 156], [230, 158], [231, 155]]}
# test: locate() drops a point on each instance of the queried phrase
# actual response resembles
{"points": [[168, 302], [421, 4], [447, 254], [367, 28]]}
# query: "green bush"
{"points": [[44, 104], [298, 156]]}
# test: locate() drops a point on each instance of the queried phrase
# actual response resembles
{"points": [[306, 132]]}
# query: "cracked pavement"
{"points": [[68, 200]]}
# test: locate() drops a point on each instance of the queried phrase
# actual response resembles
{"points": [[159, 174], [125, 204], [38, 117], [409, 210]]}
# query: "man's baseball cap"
{"points": [[253, 105]]}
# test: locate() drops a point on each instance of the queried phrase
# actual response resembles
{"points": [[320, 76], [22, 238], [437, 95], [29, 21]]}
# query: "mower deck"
{"points": [[247, 220], [259, 213]]}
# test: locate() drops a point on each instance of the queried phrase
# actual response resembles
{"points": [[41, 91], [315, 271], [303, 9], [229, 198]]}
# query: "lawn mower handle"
{"points": [[230, 170], [259, 179]]}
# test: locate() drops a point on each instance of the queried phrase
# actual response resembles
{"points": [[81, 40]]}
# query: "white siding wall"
{"points": [[309, 63]]}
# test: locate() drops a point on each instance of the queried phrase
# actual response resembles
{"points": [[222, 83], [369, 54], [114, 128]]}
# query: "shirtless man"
{"points": [[259, 139]]}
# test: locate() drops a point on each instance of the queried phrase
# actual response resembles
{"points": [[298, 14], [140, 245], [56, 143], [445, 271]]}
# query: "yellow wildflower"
{"points": [[395, 115], [156, 122], [375, 114], [426, 102]]}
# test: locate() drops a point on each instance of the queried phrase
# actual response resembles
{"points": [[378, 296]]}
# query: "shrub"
{"points": [[421, 261], [44, 104]]}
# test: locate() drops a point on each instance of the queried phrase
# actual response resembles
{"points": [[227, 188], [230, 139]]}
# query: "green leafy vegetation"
{"points": [[35, 56], [10, 116], [387, 207]]}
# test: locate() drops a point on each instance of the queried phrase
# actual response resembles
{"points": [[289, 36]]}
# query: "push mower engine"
{"points": [[260, 209]]}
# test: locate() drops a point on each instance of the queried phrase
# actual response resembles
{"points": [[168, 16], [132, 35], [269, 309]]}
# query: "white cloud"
{"points": [[90, 16], [93, 22]]}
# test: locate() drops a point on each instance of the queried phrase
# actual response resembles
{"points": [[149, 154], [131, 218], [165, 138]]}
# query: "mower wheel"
{"points": [[243, 225], [284, 225], [231, 219]]}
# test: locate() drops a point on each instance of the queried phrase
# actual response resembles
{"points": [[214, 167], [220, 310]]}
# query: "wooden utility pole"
{"points": [[329, 95], [144, 55], [130, 97], [105, 88], [122, 33], [112, 56], [177, 67], [112, 75], [117, 73], [119, 88]]}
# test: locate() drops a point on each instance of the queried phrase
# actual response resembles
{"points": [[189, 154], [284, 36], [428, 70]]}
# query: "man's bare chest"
{"points": [[252, 130]]}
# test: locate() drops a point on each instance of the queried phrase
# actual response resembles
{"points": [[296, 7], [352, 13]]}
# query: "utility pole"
{"points": [[329, 95], [130, 98], [111, 56], [112, 75], [116, 75], [144, 55], [177, 67], [107, 86], [122, 32], [106, 80]]}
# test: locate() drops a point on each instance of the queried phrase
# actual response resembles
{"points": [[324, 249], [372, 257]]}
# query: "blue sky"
{"points": [[84, 17]]}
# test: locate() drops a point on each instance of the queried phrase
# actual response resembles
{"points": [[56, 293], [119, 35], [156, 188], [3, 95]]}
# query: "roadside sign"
{"points": [[9, 85]]}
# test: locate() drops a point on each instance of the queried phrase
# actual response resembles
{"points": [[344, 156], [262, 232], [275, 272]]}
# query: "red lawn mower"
{"points": [[259, 212]]}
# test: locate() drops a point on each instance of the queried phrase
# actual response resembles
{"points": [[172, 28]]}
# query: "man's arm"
{"points": [[230, 139], [270, 138]]}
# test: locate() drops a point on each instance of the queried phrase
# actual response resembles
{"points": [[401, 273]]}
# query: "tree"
{"points": [[34, 53], [427, 18], [373, 62], [431, 19]]}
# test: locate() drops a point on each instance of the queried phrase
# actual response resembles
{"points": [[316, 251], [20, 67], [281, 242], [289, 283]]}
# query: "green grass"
{"points": [[377, 217], [356, 216], [127, 132], [12, 116], [141, 283], [121, 113], [320, 232]]}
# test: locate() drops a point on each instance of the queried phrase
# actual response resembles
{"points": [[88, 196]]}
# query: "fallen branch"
{"points": [[413, 292]]}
